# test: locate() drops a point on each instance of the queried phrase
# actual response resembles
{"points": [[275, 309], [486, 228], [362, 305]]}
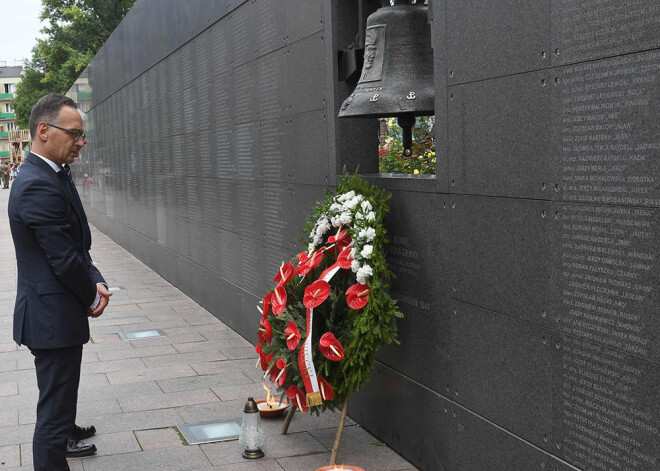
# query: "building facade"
{"points": [[9, 77]]}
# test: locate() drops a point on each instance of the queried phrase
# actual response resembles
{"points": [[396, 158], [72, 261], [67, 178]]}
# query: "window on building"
{"points": [[10, 87], [10, 126], [82, 88], [8, 108]]}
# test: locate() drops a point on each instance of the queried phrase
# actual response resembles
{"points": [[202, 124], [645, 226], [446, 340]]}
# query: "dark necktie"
{"points": [[75, 198], [68, 181]]}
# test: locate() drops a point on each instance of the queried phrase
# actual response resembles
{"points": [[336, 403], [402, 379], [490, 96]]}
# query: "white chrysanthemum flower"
{"points": [[353, 250], [334, 206], [369, 233], [349, 195], [367, 251], [345, 218], [335, 221], [310, 248], [371, 216], [366, 206], [352, 203], [355, 266], [359, 215], [363, 273]]}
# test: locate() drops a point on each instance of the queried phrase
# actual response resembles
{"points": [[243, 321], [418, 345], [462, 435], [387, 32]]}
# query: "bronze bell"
{"points": [[397, 74]]}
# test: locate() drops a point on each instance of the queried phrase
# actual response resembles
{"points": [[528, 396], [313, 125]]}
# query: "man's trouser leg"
{"points": [[58, 376]]}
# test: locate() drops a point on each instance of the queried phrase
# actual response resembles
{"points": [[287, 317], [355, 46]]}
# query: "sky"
{"points": [[20, 28]]}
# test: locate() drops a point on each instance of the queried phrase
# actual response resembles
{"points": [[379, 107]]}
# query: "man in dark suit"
{"points": [[58, 286]]}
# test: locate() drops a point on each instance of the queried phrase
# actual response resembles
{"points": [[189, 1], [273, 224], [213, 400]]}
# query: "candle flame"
{"points": [[268, 395]]}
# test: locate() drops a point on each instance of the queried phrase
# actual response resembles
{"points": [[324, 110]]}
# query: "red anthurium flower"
{"points": [[345, 259], [338, 236], [278, 300], [265, 310], [278, 372], [327, 392], [297, 396], [330, 347], [356, 296], [302, 257], [312, 262], [260, 351], [341, 239], [316, 293], [284, 275], [292, 335], [265, 360], [265, 331]]}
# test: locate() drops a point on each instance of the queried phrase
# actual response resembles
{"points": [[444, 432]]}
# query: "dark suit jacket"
{"points": [[56, 278]]}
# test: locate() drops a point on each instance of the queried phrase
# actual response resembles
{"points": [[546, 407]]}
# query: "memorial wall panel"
{"points": [[243, 39], [517, 33], [271, 81], [275, 149], [605, 407], [308, 137], [417, 227], [499, 137], [594, 29], [479, 445], [500, 255], [607, 268], [512, 360], [305, 74], [302, 19], [606, 135], [410, 417], [270, 27]]}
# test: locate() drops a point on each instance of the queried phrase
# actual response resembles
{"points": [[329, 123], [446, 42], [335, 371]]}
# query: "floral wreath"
{"points": [[333, 296]]}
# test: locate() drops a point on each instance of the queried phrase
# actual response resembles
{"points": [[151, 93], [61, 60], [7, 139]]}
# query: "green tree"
{"points": [[76, 30]]}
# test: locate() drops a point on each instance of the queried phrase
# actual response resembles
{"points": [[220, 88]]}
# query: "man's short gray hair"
{"points": [[47, 109]]}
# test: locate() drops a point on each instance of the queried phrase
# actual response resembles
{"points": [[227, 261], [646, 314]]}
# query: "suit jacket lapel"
{"points": [[77, 206]]}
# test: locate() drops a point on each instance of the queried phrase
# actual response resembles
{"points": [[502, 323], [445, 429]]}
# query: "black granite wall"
{"points": [[527, 269]]}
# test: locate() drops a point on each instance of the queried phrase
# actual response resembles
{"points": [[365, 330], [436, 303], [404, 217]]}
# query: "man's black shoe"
{"points": [[80, 433], [76, 449]]}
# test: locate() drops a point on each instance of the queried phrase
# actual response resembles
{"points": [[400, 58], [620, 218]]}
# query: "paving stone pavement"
{"points": [[136, 392]]}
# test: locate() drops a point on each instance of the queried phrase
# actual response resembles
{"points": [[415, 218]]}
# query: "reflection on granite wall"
{"points": [[527, 268]]}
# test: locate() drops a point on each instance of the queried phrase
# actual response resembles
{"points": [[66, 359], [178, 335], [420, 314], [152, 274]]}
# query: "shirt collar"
{"points": [[52, 164]]}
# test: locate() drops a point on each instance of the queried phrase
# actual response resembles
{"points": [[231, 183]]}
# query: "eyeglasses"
{"points": [[75, 133]]}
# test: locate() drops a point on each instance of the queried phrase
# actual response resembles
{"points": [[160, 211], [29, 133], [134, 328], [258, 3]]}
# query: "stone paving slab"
{"points": [[136, 392]]}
